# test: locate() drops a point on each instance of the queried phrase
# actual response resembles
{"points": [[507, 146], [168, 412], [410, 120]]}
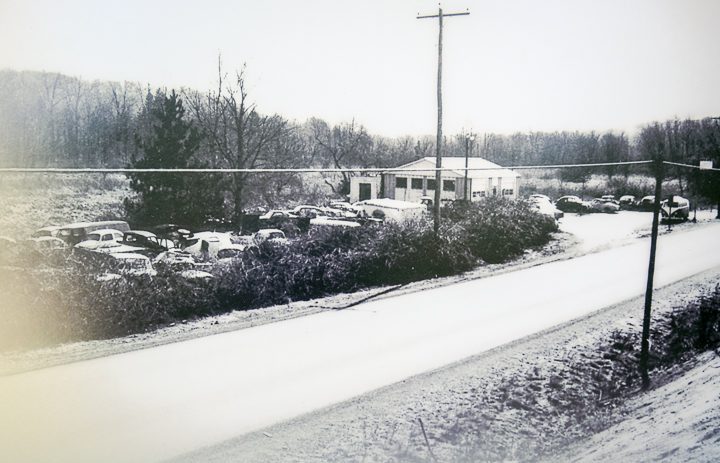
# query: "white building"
{"points": [[364, 188], [489, 180]]}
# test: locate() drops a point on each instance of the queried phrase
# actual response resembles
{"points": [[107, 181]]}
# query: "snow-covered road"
{"points": [[157, 403]]}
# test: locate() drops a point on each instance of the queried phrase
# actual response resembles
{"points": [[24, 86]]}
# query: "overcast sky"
{"points": [[511, 65]]}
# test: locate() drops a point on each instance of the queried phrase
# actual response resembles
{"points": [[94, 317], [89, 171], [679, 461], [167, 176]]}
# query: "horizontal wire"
{"points": [[80, 170], [690, 166]]}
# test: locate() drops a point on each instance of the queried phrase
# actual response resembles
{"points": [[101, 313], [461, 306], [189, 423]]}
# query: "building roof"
{"points": [[484, 167]]}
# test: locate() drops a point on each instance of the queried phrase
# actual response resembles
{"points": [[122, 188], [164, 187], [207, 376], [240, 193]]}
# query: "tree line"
{"points": [[49, 119]]}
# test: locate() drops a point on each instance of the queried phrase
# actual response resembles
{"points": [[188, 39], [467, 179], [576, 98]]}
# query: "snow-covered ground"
{"points": [[602, 231], [181, 396], [677, 422], [467, 414]]}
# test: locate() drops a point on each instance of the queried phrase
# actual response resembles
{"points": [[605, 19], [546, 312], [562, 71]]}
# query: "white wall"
{"points": [[483, 187], [355, 187]]}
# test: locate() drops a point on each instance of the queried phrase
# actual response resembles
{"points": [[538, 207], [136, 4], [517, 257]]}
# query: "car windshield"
{"points": [[93, 237]]}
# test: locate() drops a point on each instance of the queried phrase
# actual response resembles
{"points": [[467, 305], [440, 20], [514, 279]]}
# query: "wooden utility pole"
{"points": [[469, 137], [438, 151], [645, 343]]}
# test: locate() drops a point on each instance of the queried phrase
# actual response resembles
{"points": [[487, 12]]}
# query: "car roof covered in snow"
{"points": [[393, 204]]}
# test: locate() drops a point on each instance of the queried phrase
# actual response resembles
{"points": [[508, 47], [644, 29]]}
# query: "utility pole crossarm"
{"points": [[444, 15]]}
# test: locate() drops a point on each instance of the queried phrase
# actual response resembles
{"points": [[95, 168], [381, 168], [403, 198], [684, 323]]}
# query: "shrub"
{"points": [[695, 328], [498, 229], [676, 336]]}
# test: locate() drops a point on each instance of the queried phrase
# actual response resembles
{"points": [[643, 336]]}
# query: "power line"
{"points": [[120, 170], [690, 166]]}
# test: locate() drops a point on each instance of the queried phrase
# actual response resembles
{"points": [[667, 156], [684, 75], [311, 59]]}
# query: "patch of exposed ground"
{"points": [[525, 401]]}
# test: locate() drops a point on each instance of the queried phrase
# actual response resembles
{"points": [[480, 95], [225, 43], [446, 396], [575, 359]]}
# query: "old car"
{"points": [[171, 257], [48, 244], [146, 240], [647, 203], [535, 196], [572, 204], [627, 202], [542, 205], [232, 251], [309, 211], [348, 209], [205, 245], [49, 231], [98, 239], [76, 232], [272, 235], [181, 263], [126, 264], [675, 209], [173, 232], [608, 206], [334, 222], [276, 214]]}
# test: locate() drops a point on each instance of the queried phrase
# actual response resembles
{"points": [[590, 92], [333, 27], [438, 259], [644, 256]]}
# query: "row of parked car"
{"points": [[112, 249], [557, 209], [674, 208], [337, 213]]}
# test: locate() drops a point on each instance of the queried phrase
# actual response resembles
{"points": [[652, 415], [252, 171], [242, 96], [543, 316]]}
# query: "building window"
{"points": [[400, 182], [508, 192], [448, 185], [478, 194], [430, 184], [416, 183]]}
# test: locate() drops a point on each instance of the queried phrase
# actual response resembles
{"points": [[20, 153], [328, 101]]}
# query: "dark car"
{"points": [[146, 240], [571, 204], [627, 202], [175, 233], [647, 203]]}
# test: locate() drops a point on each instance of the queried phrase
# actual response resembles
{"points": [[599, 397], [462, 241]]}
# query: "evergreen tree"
{"points": [[169, 141]]}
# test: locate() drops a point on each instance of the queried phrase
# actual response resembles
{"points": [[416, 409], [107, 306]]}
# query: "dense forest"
{"points": [[53, 120]]}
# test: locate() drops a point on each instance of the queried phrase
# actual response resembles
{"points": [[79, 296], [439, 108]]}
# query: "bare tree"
{"points": [[239, 136], [342, 146]]}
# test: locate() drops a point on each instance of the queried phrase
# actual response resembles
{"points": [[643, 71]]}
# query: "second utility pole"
{"points": [[438, 148]]}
